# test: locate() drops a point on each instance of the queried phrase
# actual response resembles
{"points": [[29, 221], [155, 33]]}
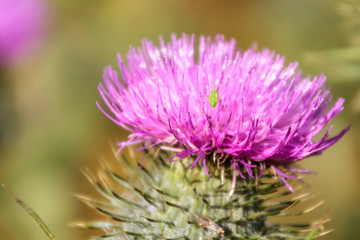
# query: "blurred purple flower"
{"points": [[265, 113], [21, 22]]}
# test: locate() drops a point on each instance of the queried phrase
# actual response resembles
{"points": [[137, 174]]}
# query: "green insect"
{"points": [[213, 98], [312, 234], [317, 229]]}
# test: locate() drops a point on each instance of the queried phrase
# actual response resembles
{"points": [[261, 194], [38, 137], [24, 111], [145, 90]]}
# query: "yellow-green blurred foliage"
{"points": [[53, 126]]}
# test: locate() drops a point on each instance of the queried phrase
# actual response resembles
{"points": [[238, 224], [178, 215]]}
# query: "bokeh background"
{"points": [[51, 127]]}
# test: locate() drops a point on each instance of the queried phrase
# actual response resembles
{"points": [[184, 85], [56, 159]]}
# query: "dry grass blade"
{"points": [[32, 213]]}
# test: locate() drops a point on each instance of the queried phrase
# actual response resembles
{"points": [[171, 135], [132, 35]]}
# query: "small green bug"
{"points": [[213, 98], [318, 228], [312, 234]]}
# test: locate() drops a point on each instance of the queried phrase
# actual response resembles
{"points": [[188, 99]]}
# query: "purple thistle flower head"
{"points": [[245, 108], [21, 22]]}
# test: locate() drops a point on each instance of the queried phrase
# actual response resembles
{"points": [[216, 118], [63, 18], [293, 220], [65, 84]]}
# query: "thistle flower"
{"points": [[245, 109], [20, 23]]}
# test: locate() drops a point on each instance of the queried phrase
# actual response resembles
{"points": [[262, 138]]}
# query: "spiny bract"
{"points": [[171, 201]]}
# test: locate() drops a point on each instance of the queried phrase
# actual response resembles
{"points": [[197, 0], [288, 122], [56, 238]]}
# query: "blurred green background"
{"points": [[53, 127]]}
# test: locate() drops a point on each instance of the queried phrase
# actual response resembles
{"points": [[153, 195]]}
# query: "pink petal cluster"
{"points": [[267, 113], [21, 22]]}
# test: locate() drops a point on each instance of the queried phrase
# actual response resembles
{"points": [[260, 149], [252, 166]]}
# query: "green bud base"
{"points": [[162, 200]]}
